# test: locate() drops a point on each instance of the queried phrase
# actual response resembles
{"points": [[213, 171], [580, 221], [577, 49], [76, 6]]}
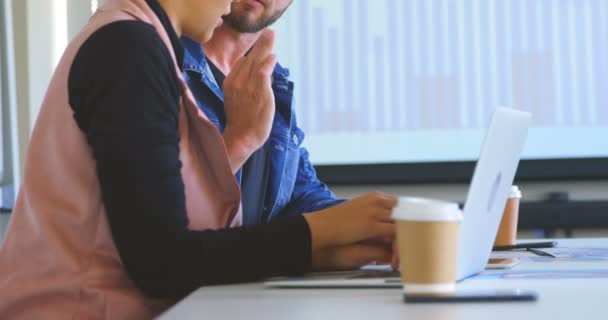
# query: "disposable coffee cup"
{"points": [[507, 231], [427, 237]]}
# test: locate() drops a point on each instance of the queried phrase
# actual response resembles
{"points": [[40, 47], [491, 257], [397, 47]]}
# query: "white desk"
{"points": [[578, 299]]}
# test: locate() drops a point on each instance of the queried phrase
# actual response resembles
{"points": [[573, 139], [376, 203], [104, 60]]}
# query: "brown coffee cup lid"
{"points": [[423, 209]]}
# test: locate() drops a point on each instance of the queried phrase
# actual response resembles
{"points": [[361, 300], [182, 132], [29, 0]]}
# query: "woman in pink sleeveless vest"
{"points": [[129, 200]]}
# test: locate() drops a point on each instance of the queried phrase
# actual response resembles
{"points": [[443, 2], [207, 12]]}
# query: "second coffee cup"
{"points": [[427, 236], [507, 231]]}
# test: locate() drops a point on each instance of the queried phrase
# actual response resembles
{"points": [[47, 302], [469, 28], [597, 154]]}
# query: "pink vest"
{"points": [[58, 259]]}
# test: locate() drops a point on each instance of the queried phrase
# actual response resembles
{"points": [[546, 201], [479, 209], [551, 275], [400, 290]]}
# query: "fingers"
{"points": [[255, 69], [258, 56], [235, 75], [249, 101], [383, 215], [379, 241], [349, 257], [263, 61], [380, 233], [383, 205], [263, 47], [376, 204], [379, 199], [395, 259], [383, 200], [267, 67], [383, 230], [358, 255]]}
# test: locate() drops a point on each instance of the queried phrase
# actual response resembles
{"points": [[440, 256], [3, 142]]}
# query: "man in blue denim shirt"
{"points": [[288, 183]]}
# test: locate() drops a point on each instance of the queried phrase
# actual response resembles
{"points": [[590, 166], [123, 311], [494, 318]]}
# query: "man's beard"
{"points": [[241, 25]]}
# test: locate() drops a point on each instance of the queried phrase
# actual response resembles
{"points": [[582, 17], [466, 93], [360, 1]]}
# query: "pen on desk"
{"points": [[541, 253]]}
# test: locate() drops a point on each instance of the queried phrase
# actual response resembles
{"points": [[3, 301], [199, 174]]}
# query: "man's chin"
{"points": [[247, 16], [242, 24], [219, 23]]}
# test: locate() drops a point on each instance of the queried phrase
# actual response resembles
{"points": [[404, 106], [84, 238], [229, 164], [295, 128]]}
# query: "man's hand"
{"points": [[249, 101]]}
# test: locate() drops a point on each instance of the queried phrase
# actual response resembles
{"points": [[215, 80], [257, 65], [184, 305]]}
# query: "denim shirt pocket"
{"points": [[296, 138], [286, 148]]}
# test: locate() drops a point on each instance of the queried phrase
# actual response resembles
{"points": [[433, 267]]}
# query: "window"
{"points": [[9, 158]]}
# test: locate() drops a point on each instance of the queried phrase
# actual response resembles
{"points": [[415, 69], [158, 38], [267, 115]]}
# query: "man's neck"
{"points": [[227, 46]]}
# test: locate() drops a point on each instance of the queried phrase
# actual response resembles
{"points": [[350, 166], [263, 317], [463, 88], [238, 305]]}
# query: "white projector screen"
{"points": [[410, 81]]}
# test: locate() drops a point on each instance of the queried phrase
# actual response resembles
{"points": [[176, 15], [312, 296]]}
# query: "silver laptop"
{"points": [[488, 192]]}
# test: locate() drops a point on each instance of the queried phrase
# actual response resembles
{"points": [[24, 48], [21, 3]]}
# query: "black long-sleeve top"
{"points": [[125, 94]]}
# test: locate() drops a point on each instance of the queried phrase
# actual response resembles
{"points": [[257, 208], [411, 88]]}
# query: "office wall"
{"points": [[34, 31], [2, 99], [40, 34], [78, 12], [21, 74], [37, 50], [9, 159], [532, 191]]}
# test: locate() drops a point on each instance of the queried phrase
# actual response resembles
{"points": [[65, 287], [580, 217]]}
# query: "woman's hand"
{"points": [[350, 256], [395, 258], [353, 233]]}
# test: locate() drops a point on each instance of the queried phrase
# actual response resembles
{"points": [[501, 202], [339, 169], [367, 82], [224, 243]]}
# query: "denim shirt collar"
{"points": [[280, 73], [196, 61], [194, 58]]}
